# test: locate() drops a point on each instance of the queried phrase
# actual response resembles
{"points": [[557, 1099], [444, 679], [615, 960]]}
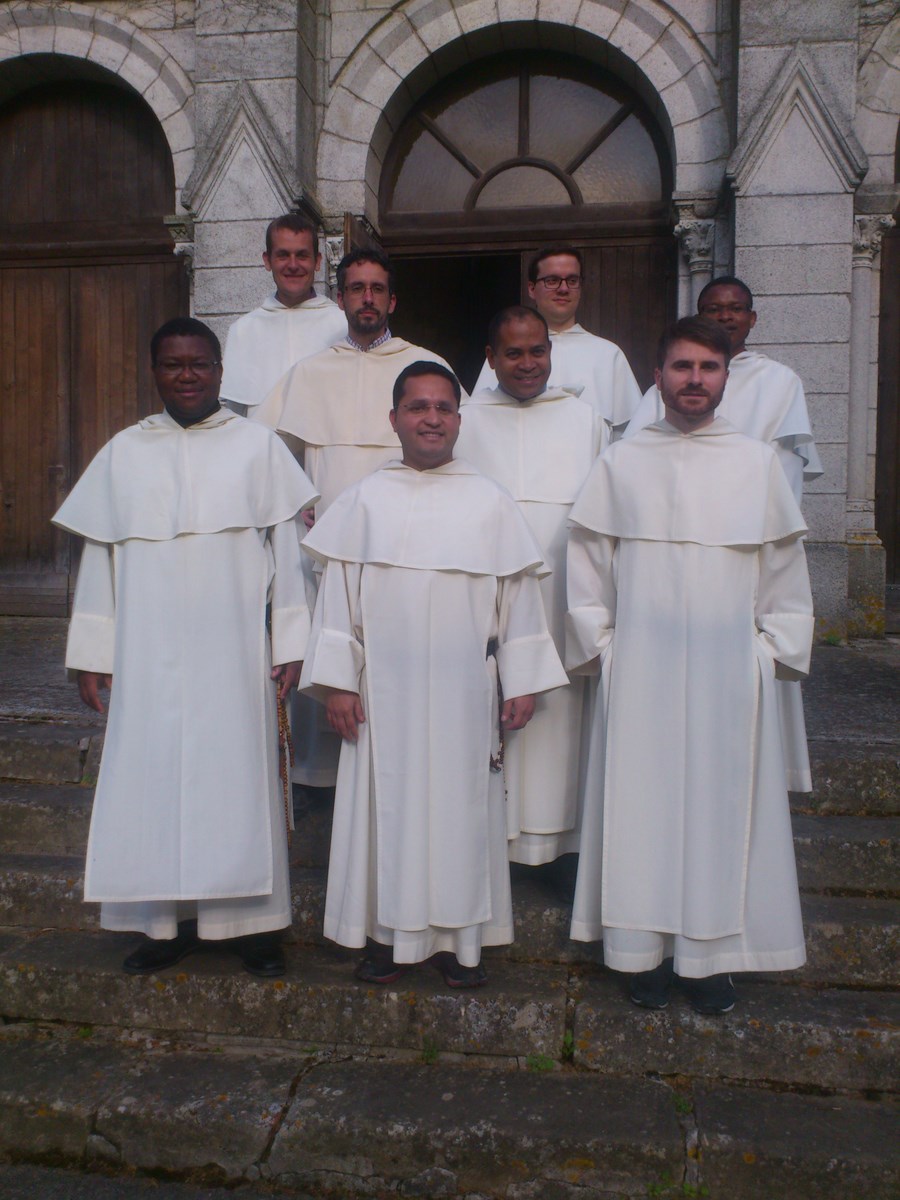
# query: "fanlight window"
{"points": [[529, 132]]}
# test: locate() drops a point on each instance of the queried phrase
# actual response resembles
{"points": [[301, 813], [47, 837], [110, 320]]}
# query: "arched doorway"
{"points": [[87, 271], [515, 152]]}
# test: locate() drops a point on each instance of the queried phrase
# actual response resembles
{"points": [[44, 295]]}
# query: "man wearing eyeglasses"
{"points": [[540, 443], [291, 324], [590, 366], [332, 410], [763, 399], [189, 526]]}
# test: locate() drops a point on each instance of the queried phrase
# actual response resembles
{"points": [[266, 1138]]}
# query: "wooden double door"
{"points": [[87, 273]]}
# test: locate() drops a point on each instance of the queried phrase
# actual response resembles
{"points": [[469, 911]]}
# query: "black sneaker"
{"points": [[711, 996], [651, 989]]}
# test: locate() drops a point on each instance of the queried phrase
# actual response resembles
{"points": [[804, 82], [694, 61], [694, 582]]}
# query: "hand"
{"points": [[345, 714], [289, 674], [516, 713], [89, 685], [309, 517]]}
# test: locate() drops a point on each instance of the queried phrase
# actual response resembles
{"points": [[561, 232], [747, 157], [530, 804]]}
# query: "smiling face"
{"points": [[557, 305], [729, 305], [293, 262], [691, 383], [521, 358], [426, 420], [366, 299], [187, 378]]}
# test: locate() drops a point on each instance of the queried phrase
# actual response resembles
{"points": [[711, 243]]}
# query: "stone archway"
{"points": [[115, 45], [423, 40]]}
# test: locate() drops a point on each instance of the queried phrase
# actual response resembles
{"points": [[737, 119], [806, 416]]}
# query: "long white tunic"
{"points": [[592, 367], [687, 581], [333, 410], [764, 399], [422, 571], [541, 451], [190, 533], [264, 344]]}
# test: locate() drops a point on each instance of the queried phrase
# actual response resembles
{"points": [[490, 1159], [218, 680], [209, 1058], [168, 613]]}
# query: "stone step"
{"points": [[49, 751], [851, 940], [852, 777], [778, 1033], [537, 1013], [26, 1181], [357, 1127], [834, 853]]}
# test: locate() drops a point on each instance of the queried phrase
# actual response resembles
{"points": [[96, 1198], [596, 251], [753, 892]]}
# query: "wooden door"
{"points": [[87, 273]]}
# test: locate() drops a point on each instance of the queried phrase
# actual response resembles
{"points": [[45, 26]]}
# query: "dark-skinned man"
{"points": [[540, 443], [190, 527]]}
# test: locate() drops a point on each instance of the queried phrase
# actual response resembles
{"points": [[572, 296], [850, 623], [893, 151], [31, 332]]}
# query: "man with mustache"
{"points": [[332, 410], [540, 443], [688, 592]]}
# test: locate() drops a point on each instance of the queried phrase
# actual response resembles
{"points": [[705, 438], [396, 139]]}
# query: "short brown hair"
{"points": [[551, 252], [294, 223], [694, 329]]}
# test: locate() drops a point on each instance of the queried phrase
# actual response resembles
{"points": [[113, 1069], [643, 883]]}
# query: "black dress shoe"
{"points": [[713, 996], [155, 954], [262, 954], [651, 989]]}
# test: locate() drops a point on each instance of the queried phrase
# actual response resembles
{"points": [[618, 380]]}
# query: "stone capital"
{"points": [[334, 252], [867, 234], [181, 229], [696, 238]]}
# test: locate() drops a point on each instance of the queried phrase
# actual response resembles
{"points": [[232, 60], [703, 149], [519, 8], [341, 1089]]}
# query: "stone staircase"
{"points": [[545, 1085]]}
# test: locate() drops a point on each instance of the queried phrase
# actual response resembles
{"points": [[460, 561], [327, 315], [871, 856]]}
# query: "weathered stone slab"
{"points": [[780, 1034], [44, 753], [361, 1128], [24, 1181], [849, 853], [851, 941], [77, 977], [45, 891], [857, 779], [190, 1111], [49, 1092], [44, 818], [756, 1144]]}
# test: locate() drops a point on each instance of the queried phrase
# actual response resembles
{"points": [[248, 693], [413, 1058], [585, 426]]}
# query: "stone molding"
{"points": [[867, 235], [799, 85], [663, 47], [243, 121], [118, 46]]}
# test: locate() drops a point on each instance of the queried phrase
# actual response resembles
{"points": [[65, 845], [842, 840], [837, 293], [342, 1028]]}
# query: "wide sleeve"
{"points": [[784, 610], [336, 656], [527, 660], [591, 598], [92, 628], [290, 607]]}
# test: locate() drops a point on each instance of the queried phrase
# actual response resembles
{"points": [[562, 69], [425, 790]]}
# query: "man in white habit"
{"points": [[189, 521], [292, 324], [583, 363], [540, 443], [332, 409], [763, 399], [688, 591], [430, 592]]}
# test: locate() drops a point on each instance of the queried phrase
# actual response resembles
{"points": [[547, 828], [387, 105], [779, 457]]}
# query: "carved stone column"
{"points": [[866, 561], [182, 230], [696, 237], [334, 252]]}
